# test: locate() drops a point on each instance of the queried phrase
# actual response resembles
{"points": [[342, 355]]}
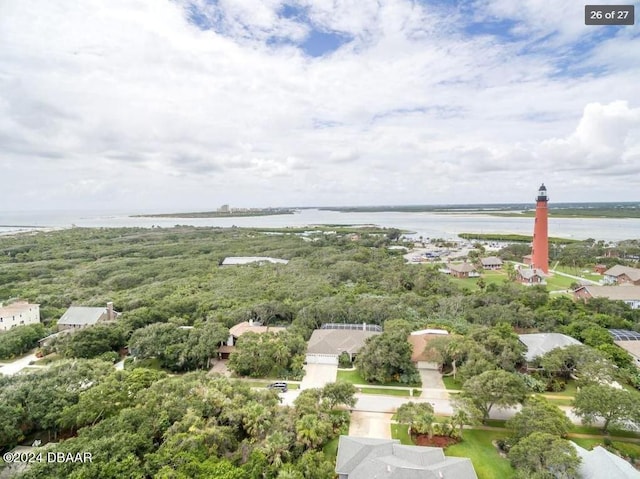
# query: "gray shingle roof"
{"points": [[620, 293], [600, 463], [82, 316], [367, 458], [335, 341], [491, 261], [538, 344], [618, 270]]}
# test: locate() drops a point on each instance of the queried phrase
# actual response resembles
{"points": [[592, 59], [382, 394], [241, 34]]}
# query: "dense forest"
{"points": [[177, 304]]}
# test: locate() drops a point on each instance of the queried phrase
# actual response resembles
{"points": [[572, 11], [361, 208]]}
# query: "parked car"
{"points": [[280, 386]]}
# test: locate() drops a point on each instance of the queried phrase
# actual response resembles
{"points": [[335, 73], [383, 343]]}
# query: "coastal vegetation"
{"points": [[177, 304], [513, 238]]}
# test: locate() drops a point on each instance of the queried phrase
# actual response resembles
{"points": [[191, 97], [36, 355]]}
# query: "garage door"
{"points": [[322, 359]]}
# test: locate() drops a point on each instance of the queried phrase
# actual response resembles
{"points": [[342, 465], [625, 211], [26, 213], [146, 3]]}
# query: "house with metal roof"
{"points": [[600, 463], [76, 317], [630, 294], [369, 458], [620, 274], [539, 344]]}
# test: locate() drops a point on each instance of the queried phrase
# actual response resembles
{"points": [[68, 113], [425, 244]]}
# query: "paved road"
{"points": [[377, 403], [9, 369]]}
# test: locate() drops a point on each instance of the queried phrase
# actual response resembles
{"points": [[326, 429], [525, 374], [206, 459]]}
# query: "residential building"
{"points": [[462, 270], [76, 317], [600, 268], [530, 276], [627, 293], [239, 329], [325, 345], [240, 260], [600, 463], [491, 262], [620, 274], [422, 356], [370, 458], [629, 341], [539, 344], [18, 313]]}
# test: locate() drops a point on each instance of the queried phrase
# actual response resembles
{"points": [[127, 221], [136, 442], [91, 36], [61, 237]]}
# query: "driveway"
{"points": [[317, 375], [370, 424], [432, 384], [18, 365]]}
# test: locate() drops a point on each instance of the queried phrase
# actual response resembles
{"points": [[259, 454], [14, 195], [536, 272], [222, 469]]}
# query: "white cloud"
{"points": [[129, 97]]}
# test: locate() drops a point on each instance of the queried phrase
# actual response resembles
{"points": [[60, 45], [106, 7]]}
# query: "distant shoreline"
{"points": [[220, 214], [632, 211]]}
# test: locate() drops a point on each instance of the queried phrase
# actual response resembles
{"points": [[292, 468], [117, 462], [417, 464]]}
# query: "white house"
{"points": [[19, 313]]}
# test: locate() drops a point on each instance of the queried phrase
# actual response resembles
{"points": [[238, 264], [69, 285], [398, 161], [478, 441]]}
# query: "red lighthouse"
{"points": [[540, 251]]}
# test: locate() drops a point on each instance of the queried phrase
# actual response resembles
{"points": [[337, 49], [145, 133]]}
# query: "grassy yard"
{"points": [[330, 449], [557, 282], [477, 446], [489, 277], [579, 272], [401, 432], [49, 358], [388, 392], [586, 443], [354, 377], [451, 383]]}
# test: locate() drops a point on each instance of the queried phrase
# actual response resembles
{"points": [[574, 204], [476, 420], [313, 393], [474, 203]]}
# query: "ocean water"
{"points": [[427, 225]]}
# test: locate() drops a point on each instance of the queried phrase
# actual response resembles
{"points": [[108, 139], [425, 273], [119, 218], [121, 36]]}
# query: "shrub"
{"points": [[344, 360]]}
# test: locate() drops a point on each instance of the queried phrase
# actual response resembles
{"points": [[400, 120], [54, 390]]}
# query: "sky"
{"points": [[167, 105]]}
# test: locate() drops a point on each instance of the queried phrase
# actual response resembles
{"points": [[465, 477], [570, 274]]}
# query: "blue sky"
{"points": [[196, 103]]}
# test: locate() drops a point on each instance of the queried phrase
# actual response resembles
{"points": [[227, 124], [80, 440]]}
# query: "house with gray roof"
{"points": [[628, 293], [539, 344], [530, 276], [600, 463], [491, 262], [77, 317], [368, 458], [326, 345], [620, 274]]}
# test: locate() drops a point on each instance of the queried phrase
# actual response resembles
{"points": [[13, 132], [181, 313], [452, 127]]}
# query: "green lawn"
{"points": [[570, 390], [477, 446], [388, 392], [153, 363], [586, 443], [579, 272], [489, 277], [354, 377], [560, 401], [330, 449], [451, 383], [557, 282], [401, 432], [598, 432]]}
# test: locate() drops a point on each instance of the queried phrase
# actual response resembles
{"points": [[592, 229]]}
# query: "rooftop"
{"points": [[619, 293], [599, 463], [82, 315], [336, 341], [250, 327], [237, 260], [539, 344], [368, 458], [15, 308], [619, 270]]}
